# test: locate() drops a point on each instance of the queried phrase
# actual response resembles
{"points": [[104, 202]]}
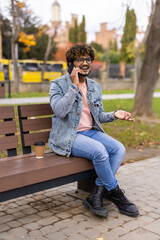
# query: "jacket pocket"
{"points": [[95, 106]]}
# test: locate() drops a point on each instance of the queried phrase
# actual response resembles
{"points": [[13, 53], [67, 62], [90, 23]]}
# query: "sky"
{"points": [[95, 11]]}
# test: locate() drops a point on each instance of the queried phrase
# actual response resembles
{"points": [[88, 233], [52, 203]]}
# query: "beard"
{"points": [[84, 74]]}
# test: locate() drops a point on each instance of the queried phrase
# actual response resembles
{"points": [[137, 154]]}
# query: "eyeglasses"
{"points": [[82, 60]]}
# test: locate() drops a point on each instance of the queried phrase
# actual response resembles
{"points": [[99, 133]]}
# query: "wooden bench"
{"points": [[24, 174], [8, 140]]}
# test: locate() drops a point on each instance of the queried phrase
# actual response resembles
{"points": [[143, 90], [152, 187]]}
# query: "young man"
{"points": [[78, 113]]}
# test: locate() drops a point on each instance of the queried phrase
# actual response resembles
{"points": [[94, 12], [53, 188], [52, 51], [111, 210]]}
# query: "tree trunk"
{"points": [[15, 75], [0, 38], [147, 78], [15, 35], [48, 49]]}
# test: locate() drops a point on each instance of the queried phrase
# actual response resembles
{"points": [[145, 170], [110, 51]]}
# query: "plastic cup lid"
{"points": [[39, 144]]}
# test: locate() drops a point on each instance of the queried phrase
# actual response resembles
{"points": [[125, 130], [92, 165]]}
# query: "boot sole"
{"points": [[136, 214], [127, 213], [94, 211]]}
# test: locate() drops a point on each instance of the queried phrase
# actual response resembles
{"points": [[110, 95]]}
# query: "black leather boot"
{"points": [[95, 202], [120, 200]]}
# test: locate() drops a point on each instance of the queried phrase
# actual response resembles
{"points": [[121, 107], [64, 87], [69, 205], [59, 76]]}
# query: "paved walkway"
{"points": [[56, 214], [46, 99]]}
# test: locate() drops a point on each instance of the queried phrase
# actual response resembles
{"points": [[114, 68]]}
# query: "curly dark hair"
{"points": [[77, 50]]}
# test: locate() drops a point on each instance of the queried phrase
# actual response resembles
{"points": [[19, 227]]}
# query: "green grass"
{"points": [[23, 95], [138, 134], [46, 94]]}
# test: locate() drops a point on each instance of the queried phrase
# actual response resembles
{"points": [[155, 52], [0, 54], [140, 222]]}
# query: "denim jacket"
{"points": [[66, 102]]}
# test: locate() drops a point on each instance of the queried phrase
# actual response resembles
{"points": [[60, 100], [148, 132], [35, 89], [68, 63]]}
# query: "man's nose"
{"points": [[85, 61]]}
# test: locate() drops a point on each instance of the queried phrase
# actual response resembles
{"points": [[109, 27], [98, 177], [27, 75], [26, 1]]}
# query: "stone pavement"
{"points": [[56, 214]]}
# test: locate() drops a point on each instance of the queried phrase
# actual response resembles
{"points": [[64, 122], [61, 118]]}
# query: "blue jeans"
{"points": [[105, 152]]}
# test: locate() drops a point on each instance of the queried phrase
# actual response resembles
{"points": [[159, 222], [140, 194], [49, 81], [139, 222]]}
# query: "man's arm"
{"points": [[61, 104], [123, 115], [111, 116]]}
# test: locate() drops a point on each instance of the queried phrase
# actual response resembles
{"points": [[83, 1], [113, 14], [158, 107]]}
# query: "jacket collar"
{"points": [[90, 83]]}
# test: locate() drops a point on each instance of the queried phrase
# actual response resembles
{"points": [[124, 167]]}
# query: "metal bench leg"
{"points": [[87, 185]]}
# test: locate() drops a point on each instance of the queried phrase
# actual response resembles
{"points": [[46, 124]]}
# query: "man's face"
{"points": [[84, 63]]}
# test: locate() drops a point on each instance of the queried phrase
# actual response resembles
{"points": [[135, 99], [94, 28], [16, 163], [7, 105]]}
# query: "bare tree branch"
{"points": [[48, 49]]}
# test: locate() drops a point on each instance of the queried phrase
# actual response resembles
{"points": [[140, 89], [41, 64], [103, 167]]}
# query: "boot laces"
{"points": [[98, 196], [122, 197], [99, 200]]}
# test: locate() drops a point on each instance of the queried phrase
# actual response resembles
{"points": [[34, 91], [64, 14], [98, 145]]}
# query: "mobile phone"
{"points": [[70, 68]]}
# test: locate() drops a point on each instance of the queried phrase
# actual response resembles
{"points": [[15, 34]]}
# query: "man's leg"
{"points": [[89, 148], [85, 146], [115, 149], [116, 152]]}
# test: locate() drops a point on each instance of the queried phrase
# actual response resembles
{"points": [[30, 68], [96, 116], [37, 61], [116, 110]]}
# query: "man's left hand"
{"points": [[123, 115]]}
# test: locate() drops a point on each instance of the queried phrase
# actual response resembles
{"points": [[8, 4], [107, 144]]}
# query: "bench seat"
{"points": [[24, 174], [25, 170]]}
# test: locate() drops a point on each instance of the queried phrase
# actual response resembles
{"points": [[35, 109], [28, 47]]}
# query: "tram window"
{"points": [[56, 67], [31, 67], [47, 68]]}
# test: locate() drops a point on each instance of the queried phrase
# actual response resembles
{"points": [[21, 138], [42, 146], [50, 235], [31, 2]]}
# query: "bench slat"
{"points": [[7, 127], [30, 139], [6, 112], [35, 110], [19, 172], [8, 142], [36, 124]]}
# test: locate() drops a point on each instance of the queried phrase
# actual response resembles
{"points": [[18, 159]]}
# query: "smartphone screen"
{"points": [[70, 68]]}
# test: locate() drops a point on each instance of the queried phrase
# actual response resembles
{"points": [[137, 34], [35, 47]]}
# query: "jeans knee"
{"points": [[122, 149], [100, 155]]}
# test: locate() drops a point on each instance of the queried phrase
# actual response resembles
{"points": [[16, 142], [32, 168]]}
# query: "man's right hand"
{"points": [[74, 76]]}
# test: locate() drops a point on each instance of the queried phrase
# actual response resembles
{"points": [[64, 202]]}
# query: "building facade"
{"points": [[105, 36]]}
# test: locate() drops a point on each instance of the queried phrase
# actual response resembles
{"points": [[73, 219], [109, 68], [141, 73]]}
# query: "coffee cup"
{"points": [[39, 149]]}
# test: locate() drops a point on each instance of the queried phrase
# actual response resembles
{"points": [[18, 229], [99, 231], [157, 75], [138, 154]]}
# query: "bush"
{"points": [[114, 57]]}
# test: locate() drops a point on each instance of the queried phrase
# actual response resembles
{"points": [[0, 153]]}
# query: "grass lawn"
{"points": [[45, 94], [136, 135]]}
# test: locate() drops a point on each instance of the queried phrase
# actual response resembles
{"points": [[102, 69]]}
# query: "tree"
{"points": [[99, 52], [81, 32], [148, 73], [97, 47], [16, 8], [129, 34], [48, 50], [77, 32], [6, 34], [38, 51], [114, 57], [30, 33], [15, 11], [73, 33], [28, 40], [115, 47]]}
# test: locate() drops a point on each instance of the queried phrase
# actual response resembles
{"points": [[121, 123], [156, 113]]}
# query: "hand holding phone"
{"points": [[73, 71], [70, 68]]}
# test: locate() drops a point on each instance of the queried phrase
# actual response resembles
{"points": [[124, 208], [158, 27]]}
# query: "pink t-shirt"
{"points": [[86, 121]]}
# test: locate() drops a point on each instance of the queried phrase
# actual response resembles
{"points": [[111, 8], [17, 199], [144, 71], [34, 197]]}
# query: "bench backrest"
{"points": [[35, 124], [8, 139]]}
